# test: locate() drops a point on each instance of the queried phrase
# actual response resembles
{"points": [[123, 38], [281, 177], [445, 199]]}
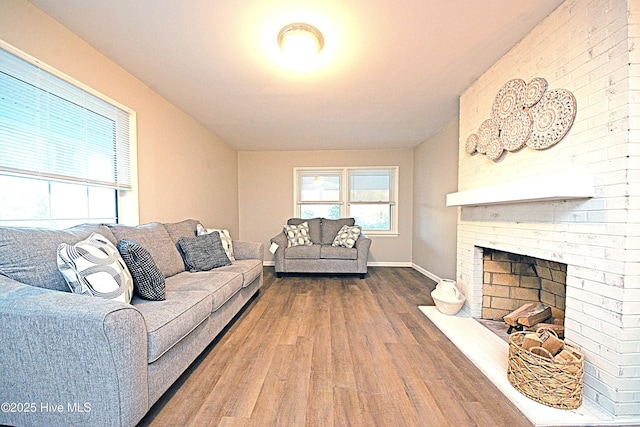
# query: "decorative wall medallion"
{"points": [[524, 114], [472, 143], [515, 130], [495, 148], [552, 116], [508, 100], [488, 130], [533, 92]]}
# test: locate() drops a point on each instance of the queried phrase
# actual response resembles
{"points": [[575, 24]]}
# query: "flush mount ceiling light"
{"points": [[300, 39]]}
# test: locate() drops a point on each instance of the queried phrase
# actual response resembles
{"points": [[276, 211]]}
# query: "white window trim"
{"points": [[344, 194], [128, 205]]}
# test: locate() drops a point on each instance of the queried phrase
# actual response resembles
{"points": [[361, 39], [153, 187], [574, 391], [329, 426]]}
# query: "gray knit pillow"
{"points": [[204, 252], [148, 280]]}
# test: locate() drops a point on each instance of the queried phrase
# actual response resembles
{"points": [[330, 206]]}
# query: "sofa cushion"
{"points": [[94, 267], [347, 236], [186, 228], [330, 228], [155, 239], [204, 252], [314, 227], [297, 235], [249, 268], [221, 285], [29, 255], [225, 236], [148, 280], [171, 320], [303, 252], [338, 252]]}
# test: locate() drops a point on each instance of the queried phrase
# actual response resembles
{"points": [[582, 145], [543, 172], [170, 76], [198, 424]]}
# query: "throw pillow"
{"points": [[227, 242], [148, 280], [202, 253], [297, 235], [94, 267], [347, 236]]}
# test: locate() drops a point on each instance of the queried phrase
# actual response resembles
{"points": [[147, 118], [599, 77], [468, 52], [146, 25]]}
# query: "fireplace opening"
{"points": [[511, 281]]}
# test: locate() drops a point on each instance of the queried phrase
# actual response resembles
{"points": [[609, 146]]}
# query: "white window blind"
{"points": [[320, 186], [372, 185], [50, 128]]}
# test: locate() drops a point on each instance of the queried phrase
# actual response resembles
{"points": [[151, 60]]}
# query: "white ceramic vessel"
{"points": [[448, 298]]}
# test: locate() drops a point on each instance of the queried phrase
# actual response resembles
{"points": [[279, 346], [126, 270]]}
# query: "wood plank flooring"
{"points": [[335, 351]]}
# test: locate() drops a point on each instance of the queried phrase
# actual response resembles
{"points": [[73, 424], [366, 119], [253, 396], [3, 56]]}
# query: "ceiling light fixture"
{"points": [[300, 40]]}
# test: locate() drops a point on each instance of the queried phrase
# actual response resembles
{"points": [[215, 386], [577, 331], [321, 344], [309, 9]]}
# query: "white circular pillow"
{"points": [[94, 267]]}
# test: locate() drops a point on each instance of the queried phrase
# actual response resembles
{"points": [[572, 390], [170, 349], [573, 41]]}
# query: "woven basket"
{"points": [[551, 382]]}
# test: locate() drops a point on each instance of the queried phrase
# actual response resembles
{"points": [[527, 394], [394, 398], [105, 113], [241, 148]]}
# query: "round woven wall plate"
{"points": [[495, 148], [516, 130], [552, 117], [533, 91], [488, 130], [508, 100], [471, 144]]}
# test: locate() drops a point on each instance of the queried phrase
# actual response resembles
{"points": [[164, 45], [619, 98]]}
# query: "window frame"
{"points": [[344, 191], [127, 206]]}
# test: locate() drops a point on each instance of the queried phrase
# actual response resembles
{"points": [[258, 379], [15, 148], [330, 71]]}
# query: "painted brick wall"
{"points": [[592, 48]]}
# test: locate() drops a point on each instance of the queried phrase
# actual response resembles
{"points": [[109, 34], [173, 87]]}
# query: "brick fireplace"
{"points": [[532, 202], [512, 280]]}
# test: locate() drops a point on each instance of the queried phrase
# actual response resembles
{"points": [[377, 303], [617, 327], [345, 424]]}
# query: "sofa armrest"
{"points": [[70, 359], [248, 250], [281, 241], [363, 244]]}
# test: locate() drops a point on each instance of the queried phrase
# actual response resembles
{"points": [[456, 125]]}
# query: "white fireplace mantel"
{"points": [[542, 188]]}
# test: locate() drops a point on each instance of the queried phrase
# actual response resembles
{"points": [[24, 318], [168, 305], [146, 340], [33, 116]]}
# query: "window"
{"points": [[65, 151], [367, 194]]}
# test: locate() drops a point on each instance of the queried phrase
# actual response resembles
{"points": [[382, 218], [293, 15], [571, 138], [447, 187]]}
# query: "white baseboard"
{"points": [[388, 264], [427, 273], [369, 264], [421, 270]]}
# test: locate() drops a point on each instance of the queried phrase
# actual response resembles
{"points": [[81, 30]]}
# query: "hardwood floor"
{"points": [[335, 351]]}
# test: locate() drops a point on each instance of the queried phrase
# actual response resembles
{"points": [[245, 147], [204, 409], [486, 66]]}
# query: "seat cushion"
{"points": [[171, 320], [249, 268], [330, 228], [302, 252], [338, 252], [221, 285]]}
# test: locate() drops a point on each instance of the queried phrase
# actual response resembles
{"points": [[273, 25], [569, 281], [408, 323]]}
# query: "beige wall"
{"points": [[266, 194], [184, 170], [435, 166]]}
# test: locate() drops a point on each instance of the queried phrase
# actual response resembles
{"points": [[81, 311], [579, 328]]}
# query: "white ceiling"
{"points": [[389, 75]]}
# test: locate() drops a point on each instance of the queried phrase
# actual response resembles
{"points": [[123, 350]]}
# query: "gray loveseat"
{"points": [[70, 359], [321, 256]]}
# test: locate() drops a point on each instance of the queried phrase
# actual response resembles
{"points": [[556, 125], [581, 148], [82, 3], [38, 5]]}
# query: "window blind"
{"points": [[372, 185], [53, 129]]}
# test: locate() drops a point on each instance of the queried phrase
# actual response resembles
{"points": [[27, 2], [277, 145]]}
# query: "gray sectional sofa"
{"points": [[320, 256], [70, 359]]}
